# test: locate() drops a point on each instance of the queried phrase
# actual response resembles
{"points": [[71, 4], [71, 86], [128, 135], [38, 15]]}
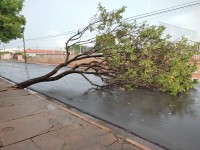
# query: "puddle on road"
{"points": [[172, 122]]}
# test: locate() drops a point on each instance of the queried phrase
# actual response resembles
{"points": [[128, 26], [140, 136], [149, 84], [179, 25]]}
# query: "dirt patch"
{"points": [[87, 60]]}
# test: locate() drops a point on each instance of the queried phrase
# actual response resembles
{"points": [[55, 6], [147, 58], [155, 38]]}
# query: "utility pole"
{"points": [[4, 47], [23, 30], [25, 58], [148, 7], [80, 49]]}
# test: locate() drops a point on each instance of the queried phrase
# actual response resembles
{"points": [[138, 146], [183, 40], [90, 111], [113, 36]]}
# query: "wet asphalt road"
{"points": [[172, 122]]}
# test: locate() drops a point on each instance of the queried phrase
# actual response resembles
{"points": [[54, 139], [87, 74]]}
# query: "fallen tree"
{"points": [[128, 55]]}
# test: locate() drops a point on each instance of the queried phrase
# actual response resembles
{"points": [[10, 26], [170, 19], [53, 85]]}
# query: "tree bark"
{"points": [[30, 82], [43, 78]]}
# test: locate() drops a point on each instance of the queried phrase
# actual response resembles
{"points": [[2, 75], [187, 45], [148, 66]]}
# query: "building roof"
{"points": [[13, 50]]}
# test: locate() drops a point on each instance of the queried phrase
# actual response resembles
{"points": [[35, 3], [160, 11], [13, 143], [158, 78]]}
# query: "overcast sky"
{"points": [[48, 17]]}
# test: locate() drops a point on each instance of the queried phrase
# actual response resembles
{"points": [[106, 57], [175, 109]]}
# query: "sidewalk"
{"points": [[31, 122]]}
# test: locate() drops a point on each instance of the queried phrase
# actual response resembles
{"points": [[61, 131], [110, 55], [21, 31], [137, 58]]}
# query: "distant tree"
{"points": [[11, 22], [129, 55]]}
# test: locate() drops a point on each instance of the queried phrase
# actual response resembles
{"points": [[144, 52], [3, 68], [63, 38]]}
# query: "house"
{"points": [[6, 56]]}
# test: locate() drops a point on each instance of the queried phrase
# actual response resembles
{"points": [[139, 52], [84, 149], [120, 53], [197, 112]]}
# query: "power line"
{"points": [[144, 15], [163, 9], [153, 13], [179, 12], [51, 36], [158, 12]]}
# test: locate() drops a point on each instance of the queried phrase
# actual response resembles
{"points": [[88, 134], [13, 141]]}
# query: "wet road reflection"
{"points": [[173, 122]]}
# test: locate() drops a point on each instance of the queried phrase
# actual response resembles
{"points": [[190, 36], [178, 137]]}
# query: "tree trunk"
{"points": [[43, 78], [30, 82]]}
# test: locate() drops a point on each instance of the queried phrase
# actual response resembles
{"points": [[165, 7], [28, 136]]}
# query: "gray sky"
{"points": [[47, 17]]}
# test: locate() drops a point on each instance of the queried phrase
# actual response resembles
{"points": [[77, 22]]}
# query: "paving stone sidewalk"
{"points": [[28, 122]]}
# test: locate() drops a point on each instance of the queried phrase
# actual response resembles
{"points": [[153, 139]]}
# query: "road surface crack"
{"points": [[0, 143], [36, 144], [4, 90]]}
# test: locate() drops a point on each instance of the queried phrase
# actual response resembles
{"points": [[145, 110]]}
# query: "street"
{"points": [[172, 122]]}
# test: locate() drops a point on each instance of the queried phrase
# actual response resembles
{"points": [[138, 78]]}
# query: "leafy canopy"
{"points": [[127, 54], [11, 22], [139, 55]]}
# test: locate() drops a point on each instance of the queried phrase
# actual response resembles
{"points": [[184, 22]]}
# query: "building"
{"points": [[45, 56]]}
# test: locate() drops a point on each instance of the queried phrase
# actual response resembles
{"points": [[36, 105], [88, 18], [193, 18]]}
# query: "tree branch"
{"points": [[89, 80]]}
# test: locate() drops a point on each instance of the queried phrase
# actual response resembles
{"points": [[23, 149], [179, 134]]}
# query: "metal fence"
{"points": [[177, 32]]}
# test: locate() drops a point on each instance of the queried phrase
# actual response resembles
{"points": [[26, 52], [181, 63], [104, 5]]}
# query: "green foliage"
{"points": [[2, 52], [11, 22], [19, 53], [140, 56]]}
